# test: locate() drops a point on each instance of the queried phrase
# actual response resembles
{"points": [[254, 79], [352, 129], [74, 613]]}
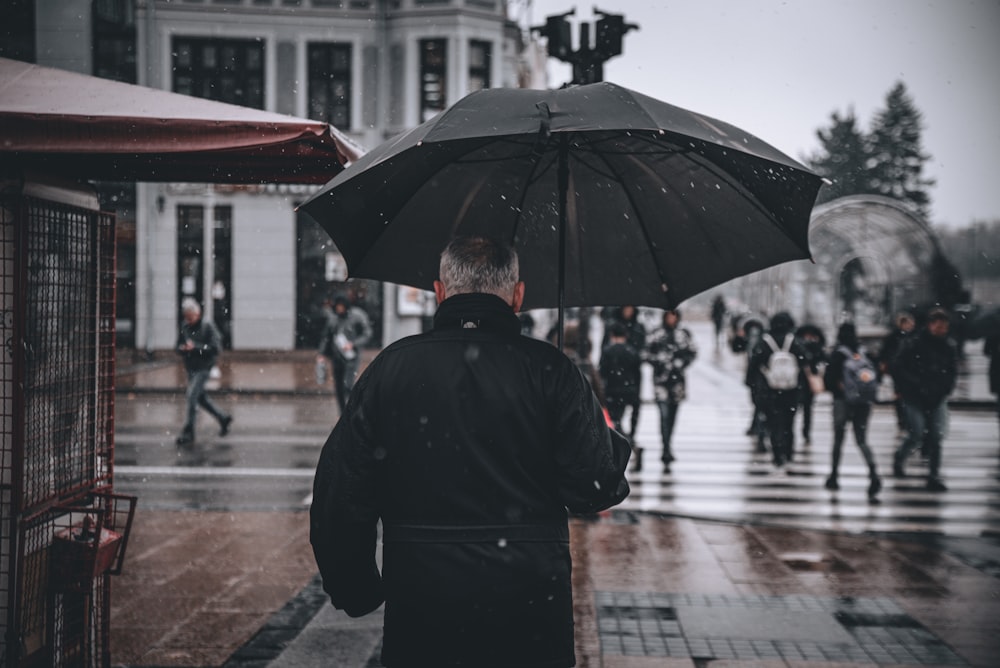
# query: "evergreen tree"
{"points": [[896, 159], [887, 161], [843, 158]]}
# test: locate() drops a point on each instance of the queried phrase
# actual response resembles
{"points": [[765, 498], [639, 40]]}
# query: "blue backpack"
{"points": [[860, 378]]}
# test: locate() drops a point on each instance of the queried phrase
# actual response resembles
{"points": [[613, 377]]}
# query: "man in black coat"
{"points": [[469, 443], [925, 371]]}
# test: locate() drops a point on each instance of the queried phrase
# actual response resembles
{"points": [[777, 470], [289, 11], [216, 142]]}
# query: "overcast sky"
{"points": [[779, 68]]}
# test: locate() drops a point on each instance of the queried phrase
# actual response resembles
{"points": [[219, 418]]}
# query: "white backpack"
{"points": [[782, 370]]}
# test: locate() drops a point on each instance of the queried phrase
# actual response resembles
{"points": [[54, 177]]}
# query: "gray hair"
{"points": [[479, 265], [190, 305]]}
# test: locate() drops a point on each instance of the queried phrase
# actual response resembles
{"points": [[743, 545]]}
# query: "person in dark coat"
{"points": [[925, 371], [991, 348], [749, 334], [621, 374], [903, 327], [199, 344], [470, 443], [857, 413], [813, 342], [779, 405], [635, 332]]}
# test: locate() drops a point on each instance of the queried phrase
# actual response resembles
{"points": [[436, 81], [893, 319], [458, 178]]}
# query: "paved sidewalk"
{"points": [[240, 589]]}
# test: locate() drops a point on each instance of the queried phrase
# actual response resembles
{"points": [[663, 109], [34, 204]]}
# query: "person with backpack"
{"points": [[852, 379], [776, 364]]}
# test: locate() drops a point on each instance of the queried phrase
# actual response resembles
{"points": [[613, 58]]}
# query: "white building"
{"points": [[372, 68]]}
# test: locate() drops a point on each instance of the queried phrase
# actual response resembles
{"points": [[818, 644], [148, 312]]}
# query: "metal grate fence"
{"points": [[57, 411]]}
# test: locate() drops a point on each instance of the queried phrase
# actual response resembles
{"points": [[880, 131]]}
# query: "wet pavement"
{"points": [[219, 569]]}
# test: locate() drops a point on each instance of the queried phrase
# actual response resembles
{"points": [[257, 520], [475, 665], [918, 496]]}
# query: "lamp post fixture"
{"points": [[587, 61]]}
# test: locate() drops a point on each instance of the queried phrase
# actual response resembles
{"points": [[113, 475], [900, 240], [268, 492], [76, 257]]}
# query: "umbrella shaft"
{"points": [[563, 176]]}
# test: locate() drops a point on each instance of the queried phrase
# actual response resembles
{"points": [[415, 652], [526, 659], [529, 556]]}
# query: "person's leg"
{"points": [[859, 420], [840, 416], [915, 427], [937, 426], [807, 413], [634, 418], [193, 396], [339, 385], [666, 428], [616, 410], [350, 375]]}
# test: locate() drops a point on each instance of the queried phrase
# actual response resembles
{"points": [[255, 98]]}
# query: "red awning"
{"points": [[87, 127]]}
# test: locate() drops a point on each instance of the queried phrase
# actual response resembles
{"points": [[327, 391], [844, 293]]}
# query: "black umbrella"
{"points": [[610, 197]]}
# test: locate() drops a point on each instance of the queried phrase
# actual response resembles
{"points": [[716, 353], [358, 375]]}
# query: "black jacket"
{"points": [[925, 369], [207, 345], [469, 442]]}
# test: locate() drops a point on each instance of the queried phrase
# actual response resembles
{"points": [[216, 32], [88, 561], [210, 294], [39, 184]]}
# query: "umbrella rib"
{"points": [[642, 225], [529, 180]]}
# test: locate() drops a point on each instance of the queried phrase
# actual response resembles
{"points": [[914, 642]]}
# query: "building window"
{"points": [[114, 40], [433, 59], [480, 63], [226, 70], [330, 84]]}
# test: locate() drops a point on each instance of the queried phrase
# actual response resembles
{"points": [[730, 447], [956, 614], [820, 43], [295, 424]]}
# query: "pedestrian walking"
{"points": [[991, 348], [621, 375], [813, 343], [852, 379], [774, 371], [635, 332], [718, 317], [903, 325], [670, 351], [925, 371], [199, 344], [468, 443], [346, 331], [745, 341]]}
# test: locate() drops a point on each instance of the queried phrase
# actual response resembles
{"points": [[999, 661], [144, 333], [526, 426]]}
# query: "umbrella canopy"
{"points": [[609, 196], [79, 125]]}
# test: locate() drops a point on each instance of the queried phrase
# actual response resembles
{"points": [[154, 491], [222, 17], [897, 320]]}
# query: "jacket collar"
{"points": [[477, 311]]}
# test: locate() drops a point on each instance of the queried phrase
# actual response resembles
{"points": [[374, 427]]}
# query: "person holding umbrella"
{"points": [[469, 443]]}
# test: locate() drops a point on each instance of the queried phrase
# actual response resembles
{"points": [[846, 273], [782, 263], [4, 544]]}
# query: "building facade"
{"points": [[371, 68]]}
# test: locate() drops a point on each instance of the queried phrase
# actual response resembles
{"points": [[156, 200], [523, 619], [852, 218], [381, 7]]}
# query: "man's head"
{"points": [[191, 310], [938, 322], [341, 304], [671, 317], [617, 332], [479, 265]]}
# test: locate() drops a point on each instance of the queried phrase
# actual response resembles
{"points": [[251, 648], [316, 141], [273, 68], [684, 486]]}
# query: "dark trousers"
{"points": [[617, 403], [344, 374], [781, 407], [668, 417], [857, 415], [925, 426], [196, 396]]}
